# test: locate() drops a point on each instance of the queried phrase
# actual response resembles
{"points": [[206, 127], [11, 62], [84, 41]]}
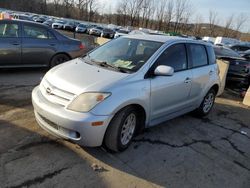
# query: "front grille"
{"points": [[54, 94]]}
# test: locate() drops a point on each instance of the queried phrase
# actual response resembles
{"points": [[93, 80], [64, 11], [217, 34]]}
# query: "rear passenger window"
{"points": [[35, 32], [174, 56], [211, 55], [198, 55]]}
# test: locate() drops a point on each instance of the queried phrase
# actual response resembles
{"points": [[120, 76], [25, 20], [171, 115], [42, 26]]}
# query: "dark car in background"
{"points": [[39, 19], [69, 26], [108, 33], [30, 44], [246, 54], [238, 76], [240, 48]]}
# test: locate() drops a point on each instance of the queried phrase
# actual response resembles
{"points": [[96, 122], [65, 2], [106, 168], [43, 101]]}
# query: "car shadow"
{"points": [[189, 151]]}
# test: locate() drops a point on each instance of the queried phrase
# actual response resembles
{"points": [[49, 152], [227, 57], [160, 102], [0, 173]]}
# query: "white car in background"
{"points": [[121, 32], [58, 24]]}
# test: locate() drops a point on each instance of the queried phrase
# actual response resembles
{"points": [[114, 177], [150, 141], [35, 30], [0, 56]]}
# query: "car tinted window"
{"points": [[8, 30], [211, 55], [35, 32], [198, 55], [174, 56]]}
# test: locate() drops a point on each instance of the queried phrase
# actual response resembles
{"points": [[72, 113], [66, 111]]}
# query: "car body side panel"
{"points": [[38, 51]]}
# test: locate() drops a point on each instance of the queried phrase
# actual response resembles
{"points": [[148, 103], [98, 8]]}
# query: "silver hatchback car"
{"points": [[128, 84]]}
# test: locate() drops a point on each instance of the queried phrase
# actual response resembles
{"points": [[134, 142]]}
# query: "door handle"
{"points": [[188, 80], [52, 44]]}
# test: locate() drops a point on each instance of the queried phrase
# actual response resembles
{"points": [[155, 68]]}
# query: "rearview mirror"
{"points": [[163, 70]]}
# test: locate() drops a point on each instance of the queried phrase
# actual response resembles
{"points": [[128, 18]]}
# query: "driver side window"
{"points": [[174, 56]]}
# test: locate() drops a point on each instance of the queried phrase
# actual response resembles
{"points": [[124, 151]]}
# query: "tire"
{"points": [[118, 137], [207, 104], [58, 59]]}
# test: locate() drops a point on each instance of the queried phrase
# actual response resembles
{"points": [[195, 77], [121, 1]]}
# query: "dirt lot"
{"points": [[183, 152]]}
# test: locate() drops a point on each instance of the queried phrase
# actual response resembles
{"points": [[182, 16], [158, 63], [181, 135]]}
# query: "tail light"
{"points": [[81, 46]]}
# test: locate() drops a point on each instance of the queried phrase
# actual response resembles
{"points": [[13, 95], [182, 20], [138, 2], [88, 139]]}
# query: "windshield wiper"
{"points": [[105, 64]]}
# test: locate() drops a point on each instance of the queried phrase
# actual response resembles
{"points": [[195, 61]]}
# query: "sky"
{"points": [[225, 8]]}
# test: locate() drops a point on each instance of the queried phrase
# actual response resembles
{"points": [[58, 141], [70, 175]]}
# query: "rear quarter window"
{"points": [[197, 55], [211, 55]]}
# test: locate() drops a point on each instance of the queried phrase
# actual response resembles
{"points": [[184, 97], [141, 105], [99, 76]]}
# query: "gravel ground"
{"points": [[184, 152]]}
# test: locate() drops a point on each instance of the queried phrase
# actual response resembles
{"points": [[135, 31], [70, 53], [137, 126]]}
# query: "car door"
{"points": [[38, 45], [201, 69], [10, 44], [170, 94]]}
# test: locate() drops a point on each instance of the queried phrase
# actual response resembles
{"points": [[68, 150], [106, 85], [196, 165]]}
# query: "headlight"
{"points": [[87, 101]]}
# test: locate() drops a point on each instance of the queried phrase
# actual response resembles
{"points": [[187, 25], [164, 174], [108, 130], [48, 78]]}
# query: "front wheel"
{"points": [[121, 130], [206, 104], [58, 59]]}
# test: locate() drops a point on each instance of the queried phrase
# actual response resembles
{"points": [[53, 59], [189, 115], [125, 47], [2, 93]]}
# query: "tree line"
{"points": [[177, 16]]}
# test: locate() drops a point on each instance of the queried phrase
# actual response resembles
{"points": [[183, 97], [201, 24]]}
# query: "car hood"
{"points": [[78, 77]]}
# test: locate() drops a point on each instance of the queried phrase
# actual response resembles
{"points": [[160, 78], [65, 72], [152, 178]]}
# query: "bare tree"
{"points": [[160, 13], [150, 12], [134, 7], [182, 10], [213, 21], [122, 10], [92, 9], [239, 22], [228, 26], [198, 27], [68, 4], [169, 14]]}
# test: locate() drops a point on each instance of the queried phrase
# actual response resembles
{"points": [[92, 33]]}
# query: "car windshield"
{"points": [[123, 31], [124, 53], [222, 52], [60, 21]]}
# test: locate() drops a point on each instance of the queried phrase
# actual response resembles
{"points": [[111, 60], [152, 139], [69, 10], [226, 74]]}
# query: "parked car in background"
{"points": [[49, 22], [121, 32], [108, 33], [58, 24], [81, 28], [39, 19], [97, 31], [90, 27], [225, 41], [238, 76], [246, 54], [70, 26], [30, 44], [240, 48], [128, 84]]}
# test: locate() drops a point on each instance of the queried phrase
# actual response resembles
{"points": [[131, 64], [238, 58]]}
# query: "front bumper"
{"points": [[67, 124]]}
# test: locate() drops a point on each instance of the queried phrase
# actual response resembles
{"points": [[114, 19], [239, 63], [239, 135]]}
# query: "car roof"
{"points": [[165, 39]]}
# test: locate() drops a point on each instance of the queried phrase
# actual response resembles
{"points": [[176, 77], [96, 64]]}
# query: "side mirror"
{"points": [[163, 70]]}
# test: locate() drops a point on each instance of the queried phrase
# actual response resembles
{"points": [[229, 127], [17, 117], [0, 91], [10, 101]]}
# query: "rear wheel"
{"points": [[206, 104], [58, 59], [121, 129]]}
